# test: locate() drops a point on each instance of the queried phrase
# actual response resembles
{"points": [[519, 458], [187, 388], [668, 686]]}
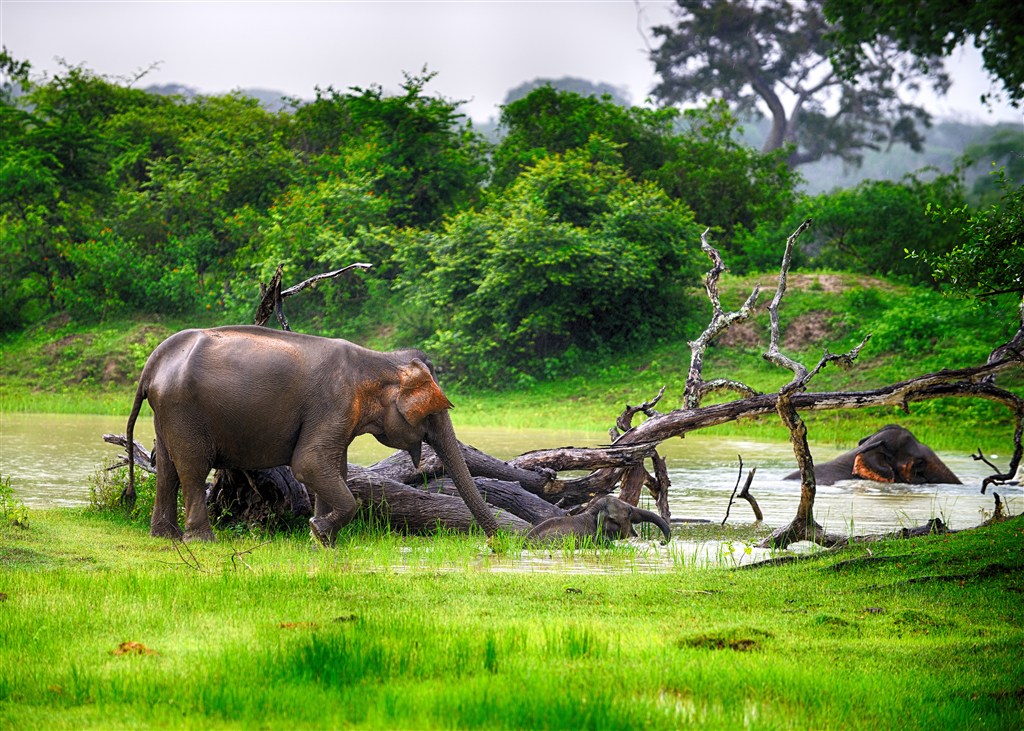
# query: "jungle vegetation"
{"points": [[572, 239]]}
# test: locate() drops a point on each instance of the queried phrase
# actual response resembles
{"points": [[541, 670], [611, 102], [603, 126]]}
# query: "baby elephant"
{"points": [[605, 519]]}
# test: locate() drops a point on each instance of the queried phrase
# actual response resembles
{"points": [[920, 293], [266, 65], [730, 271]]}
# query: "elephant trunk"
{"points": [[442, 440], [937, 473], [639, 515]]}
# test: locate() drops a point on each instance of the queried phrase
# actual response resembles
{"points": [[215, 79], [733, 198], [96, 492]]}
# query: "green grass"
{"points": [[397, 632]]}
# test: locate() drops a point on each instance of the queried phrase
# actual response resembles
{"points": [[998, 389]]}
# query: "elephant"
{"points": [[891, 454], [605, 519], [248, 397]]}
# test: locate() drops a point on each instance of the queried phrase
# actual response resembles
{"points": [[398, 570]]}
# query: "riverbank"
{"points": [[66, 367], [107, 628]]}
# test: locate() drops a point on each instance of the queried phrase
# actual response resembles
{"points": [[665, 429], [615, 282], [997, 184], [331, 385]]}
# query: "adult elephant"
{"points": [[892, 454], [250, 398]]}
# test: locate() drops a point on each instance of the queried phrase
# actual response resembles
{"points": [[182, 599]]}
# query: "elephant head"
{"points": [[604, 519], [892, 454], [413, 399], [417, 412]]}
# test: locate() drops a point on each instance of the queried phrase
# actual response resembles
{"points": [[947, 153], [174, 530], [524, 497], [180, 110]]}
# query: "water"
{"points": [[50, 459]]}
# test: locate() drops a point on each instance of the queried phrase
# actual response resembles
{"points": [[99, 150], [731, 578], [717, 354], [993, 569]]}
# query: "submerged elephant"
{"points": [[891, 454], [607, 518], [247, 397]]}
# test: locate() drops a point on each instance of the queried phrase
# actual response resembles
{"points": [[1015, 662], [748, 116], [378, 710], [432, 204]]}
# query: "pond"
{"points": [[51, 458]]}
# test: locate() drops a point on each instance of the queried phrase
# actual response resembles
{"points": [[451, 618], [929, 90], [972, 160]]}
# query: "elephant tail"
{"points": [[128, 493]]}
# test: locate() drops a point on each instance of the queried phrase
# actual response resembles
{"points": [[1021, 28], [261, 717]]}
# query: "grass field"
{"points": [[105, 627]]}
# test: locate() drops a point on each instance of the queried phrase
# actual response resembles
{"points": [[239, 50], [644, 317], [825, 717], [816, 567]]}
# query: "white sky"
{"points": [[479, 48]]}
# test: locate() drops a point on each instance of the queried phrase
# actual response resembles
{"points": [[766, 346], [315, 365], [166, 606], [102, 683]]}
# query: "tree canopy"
{"points": [[776, 53], [931, 29]]}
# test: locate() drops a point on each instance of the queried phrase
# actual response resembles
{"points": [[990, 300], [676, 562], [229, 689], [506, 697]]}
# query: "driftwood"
{"points": [[744, 494], [529, 488], [143, 457]]}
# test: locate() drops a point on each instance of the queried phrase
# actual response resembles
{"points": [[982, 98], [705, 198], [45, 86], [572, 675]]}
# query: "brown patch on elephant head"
{"points": [[419, 395], [862, 469]]}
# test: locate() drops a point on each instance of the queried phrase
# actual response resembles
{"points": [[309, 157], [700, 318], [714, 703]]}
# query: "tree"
{"points": [[933, 28], [866, 228], [573, 257], [774, 52], [989, 256], [549, 121], [419, 152], [730, 186]]}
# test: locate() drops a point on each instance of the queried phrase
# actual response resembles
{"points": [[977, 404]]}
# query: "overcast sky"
{"points": [[479, 48]]}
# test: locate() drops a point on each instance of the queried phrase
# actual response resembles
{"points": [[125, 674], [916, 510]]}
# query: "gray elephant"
{"points": [[605, 519], [891, 454], [249, 398]]}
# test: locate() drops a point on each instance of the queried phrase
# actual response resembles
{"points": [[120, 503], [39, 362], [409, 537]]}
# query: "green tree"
{"points": [[573, 257], [867, 229], [1004, 151], [729, 186], [547, 121], [988, 258], [57, 151], [421, 155], [931, 29], [771, 51]]}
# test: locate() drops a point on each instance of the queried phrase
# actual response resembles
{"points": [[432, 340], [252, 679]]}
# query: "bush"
{"points": [[573, 257], [867, 229], [105, 489]]}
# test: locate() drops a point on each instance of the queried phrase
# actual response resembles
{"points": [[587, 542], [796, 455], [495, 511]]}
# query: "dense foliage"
{"points": [[866, 229], [934, 28], [575, 234]]}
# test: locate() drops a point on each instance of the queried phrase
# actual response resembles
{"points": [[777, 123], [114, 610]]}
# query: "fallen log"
{"points": [[506, 496], [405, 508]]}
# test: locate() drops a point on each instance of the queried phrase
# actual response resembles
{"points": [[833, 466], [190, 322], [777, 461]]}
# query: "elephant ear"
{"points": [[419, 396], [872, 461]]}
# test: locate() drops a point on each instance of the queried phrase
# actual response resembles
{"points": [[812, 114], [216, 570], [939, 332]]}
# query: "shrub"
{"points": [[573, 257]]}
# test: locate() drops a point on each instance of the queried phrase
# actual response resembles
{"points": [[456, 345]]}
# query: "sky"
{"points": [[479, 49]]}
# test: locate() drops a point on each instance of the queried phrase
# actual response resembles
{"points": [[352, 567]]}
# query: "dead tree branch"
{"points": [[143, 457], [744, 494], [271, 296], [696, 388]]}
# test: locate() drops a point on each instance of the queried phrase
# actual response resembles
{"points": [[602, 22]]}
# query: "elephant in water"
{"points": [[249, 398], [605, 519], [891, 454]]}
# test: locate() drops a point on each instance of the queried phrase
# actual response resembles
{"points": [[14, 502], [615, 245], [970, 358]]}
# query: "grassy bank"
{"points": [[67, 368], [923, 634]]}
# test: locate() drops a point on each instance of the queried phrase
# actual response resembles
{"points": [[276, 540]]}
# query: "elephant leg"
{"points": [[164, 523], [334, 504], [193, 474]]}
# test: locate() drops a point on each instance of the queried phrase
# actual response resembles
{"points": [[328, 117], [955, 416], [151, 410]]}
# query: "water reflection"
{"points": [[50, 459]]}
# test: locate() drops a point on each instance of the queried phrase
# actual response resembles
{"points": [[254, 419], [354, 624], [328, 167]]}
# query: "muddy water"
{"points": [[50, 458]]}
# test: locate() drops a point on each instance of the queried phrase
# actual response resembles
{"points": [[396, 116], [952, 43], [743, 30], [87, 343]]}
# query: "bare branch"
{"points": [[271, 295], [313, 281], [625, 421], [774, 355], [695, 388]]}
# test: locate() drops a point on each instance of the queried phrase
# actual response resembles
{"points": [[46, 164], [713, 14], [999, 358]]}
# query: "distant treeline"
{"points": [[577, 232]]}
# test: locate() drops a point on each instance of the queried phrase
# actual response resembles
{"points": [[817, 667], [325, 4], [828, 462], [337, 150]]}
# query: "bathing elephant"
{"points": [[606, 518], [891, 454], [247, 397]]}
